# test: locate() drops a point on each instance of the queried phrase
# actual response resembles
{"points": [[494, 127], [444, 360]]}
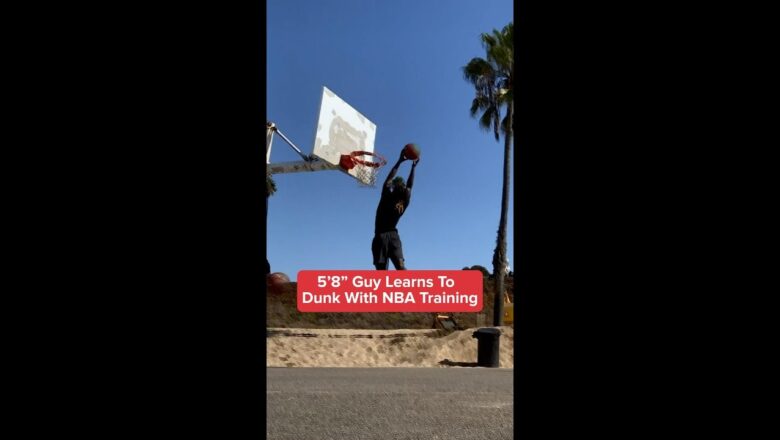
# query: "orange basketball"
{"points": [[412, 151], [276, 282]]}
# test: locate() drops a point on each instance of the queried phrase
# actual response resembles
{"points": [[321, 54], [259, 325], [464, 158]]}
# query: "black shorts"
{"points": [[387, 245]]}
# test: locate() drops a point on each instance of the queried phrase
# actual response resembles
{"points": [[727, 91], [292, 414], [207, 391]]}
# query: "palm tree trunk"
{"points": [[499, 255]]}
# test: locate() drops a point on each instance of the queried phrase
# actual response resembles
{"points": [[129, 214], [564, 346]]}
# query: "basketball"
{"points": [[276, 282], [412, 151]]}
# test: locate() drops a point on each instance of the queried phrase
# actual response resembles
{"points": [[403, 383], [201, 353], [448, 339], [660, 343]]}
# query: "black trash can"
{"points": [[487, 346]]}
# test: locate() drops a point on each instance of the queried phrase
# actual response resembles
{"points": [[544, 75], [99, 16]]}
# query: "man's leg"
{"points": [[398, 263], [397, 252], [378, 249]]}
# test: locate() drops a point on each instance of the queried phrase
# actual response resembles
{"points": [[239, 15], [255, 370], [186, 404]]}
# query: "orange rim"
{"points": [[381, 160]]}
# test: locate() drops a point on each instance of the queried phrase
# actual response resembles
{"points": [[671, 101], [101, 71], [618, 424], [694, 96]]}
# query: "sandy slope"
{"points": [[309, 347]]}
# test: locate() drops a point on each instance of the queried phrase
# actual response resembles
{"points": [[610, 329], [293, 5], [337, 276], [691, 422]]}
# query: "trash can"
{"points": [[487, 346]]}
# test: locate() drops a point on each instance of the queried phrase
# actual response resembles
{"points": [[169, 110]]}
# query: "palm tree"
{"points": [[492, 81]]}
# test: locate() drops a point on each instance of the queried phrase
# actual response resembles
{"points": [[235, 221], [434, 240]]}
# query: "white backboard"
{"points": [[341, 130]]}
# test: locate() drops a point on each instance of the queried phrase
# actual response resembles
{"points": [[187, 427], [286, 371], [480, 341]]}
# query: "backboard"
{"points": [[341, 130]]}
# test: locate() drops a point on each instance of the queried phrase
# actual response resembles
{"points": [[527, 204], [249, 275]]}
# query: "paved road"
{"points": [[389, 403]]}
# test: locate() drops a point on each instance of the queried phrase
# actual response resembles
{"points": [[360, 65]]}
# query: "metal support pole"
{"points": [[269, 138], [270, 129], [297, 150]]}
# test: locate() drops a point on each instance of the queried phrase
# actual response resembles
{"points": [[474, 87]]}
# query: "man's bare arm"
{"points": [[394, 170], [410, 180]]}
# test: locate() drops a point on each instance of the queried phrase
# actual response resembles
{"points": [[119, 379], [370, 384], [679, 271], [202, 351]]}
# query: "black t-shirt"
{"points": [[391, 207]]}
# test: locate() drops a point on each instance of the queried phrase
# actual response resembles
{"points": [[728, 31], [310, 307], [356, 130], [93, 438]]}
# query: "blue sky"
{"points": [[399, 64]]}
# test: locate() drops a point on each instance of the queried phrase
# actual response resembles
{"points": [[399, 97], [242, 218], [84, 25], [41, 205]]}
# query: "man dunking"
{"points": [[392, 205]]}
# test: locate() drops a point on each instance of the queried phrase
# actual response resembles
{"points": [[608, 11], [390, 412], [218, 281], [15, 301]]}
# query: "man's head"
{"points": [[398, 183]]}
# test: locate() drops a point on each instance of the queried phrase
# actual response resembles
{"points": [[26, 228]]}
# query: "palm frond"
{"points": [[479, 103], [492, 79], [270, 185], [496, 117], [486, 121], [478, 70], [490, 120]]}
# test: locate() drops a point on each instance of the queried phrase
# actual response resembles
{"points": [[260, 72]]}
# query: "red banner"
{"points": [[390, 291]]}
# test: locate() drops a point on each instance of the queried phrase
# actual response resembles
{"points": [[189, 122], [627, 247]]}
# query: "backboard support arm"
{"points": [[300, 166], [271, 128], [309, 163]]}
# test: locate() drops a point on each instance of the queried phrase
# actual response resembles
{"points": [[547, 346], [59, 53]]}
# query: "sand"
{"points": [[314, 347]]}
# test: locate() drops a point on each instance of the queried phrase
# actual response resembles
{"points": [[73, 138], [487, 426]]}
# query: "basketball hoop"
{"points": [[365, 169]]}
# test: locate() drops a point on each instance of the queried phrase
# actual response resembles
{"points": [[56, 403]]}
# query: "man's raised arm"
{"points": [[394, 170], [410, 180]]}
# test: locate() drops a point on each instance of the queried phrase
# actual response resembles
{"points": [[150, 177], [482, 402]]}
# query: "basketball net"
{"points": [[366, 176], [365, 165]]}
